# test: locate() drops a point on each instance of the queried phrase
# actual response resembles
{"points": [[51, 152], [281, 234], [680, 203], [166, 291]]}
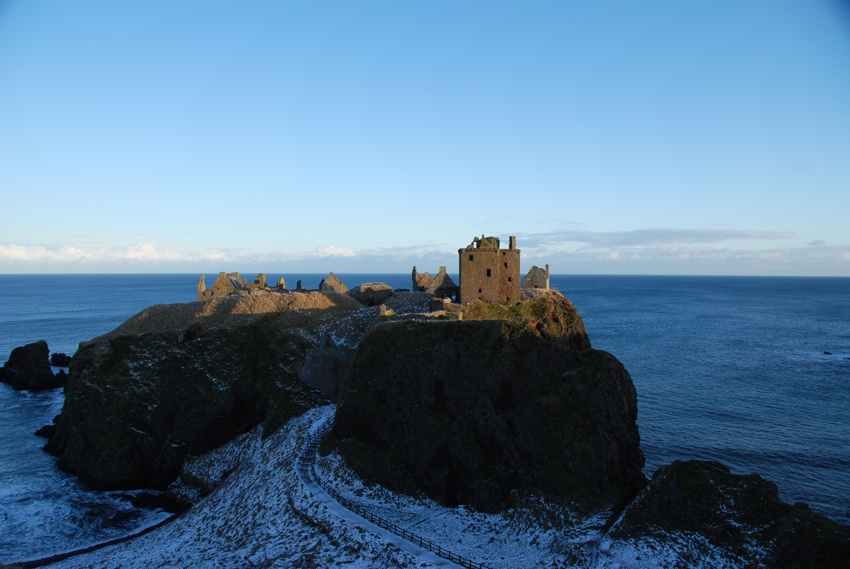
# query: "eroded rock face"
{"points": [[471, 411], [180, 380], [742, 515], [29, 368]]}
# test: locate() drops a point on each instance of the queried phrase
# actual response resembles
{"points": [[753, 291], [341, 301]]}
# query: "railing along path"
{"points": [[307, 462]]}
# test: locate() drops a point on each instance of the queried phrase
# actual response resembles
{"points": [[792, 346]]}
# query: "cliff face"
{"points": [[472, 411], [180, 380], [740, 515]]}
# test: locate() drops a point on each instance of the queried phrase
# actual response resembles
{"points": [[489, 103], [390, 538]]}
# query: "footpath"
{"points": [[424, 550]]}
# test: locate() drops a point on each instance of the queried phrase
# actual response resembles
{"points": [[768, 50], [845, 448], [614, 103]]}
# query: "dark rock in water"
{"points": [[471, 412], [29, 368], [61, 378], [46, 431], [827, 353], [371, 294], [60, 360], [741, 515]]}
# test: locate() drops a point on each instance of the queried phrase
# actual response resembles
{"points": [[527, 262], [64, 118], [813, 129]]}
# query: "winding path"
{"points": [[421, 548]]}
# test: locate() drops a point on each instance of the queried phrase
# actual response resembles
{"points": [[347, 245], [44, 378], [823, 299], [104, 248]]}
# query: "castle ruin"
{"points": [[228, 284], [536, 278], [332, 284], [440, 284], [488, 272]]}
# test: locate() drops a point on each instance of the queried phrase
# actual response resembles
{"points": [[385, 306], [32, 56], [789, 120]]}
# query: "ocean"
{"points": [[753, 372]]}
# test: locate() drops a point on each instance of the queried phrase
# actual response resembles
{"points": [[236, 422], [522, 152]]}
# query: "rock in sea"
{"points": [[28, 368]]}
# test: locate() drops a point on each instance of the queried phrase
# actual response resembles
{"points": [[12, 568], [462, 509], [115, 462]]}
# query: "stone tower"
{"points": [[488, 272]]}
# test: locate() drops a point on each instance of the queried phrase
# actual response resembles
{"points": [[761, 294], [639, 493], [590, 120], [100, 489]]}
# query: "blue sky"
{"points": [[654, 137]]}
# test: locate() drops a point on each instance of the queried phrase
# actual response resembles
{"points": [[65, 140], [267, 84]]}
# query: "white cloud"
{"points": [[647, 237], [662, 251], [333, 251], [148, 252], [139, 252], [38, 253]]}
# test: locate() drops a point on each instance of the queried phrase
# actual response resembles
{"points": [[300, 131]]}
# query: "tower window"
{"points": [[510, 279], [488, 272], [470, 257]]}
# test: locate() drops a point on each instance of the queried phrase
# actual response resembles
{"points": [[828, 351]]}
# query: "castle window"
{"points": [[479, 291], [510, 279], [488, 272], [470, 257], [506, 265]]}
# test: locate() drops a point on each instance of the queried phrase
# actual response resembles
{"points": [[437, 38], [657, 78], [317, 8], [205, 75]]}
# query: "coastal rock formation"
{"points": [[180, 380], [473, 411], [59, 359], [705, 504], [28, 368]]}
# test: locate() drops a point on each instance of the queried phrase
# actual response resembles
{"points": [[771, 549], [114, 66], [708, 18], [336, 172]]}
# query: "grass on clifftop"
{"points": [[552, 314]]}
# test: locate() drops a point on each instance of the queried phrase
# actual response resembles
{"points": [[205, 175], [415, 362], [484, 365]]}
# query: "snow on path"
{"points": [[305, 474], [264, 516], [261, 516]]}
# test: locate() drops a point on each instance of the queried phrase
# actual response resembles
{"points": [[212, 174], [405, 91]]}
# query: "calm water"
{"points": [[726, 368]]}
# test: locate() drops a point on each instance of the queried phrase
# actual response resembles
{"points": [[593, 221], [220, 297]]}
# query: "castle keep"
{"points": [[488, 272]]}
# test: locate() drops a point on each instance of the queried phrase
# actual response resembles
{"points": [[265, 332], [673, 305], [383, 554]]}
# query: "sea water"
{"points": [[753, 372]]}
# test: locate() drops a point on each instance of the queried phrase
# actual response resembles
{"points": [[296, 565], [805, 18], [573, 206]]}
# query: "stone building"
{"points": [[228, 284], [536, 278], [488, 272], [440, 284], [332, 284]]}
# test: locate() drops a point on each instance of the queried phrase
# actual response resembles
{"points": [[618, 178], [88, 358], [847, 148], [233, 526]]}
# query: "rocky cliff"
{"points": [[477, 412], [486, 405], [179, 380], [703, 507]]}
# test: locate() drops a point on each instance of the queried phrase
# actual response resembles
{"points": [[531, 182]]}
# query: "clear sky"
{"points": [[659, 137]]}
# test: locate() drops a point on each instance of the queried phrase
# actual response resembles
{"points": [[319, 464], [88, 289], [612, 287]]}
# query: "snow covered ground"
{"points": [[264, 515]]}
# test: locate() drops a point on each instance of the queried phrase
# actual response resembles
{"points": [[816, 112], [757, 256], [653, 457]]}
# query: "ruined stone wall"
{"points": [[537, 278], [491, 275]]}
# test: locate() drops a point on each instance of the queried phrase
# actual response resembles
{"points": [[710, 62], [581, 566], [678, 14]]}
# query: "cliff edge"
{"points": [[179, 380], [480, 411]]}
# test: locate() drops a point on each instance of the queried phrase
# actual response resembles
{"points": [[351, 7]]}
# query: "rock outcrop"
{"points": [[180, 380], [28, 368], [704, 503], [59, 359], [473, 412]]}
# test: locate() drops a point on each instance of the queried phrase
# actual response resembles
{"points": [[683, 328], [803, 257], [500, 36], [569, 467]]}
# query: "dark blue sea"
{"points": [[753, 372]]}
